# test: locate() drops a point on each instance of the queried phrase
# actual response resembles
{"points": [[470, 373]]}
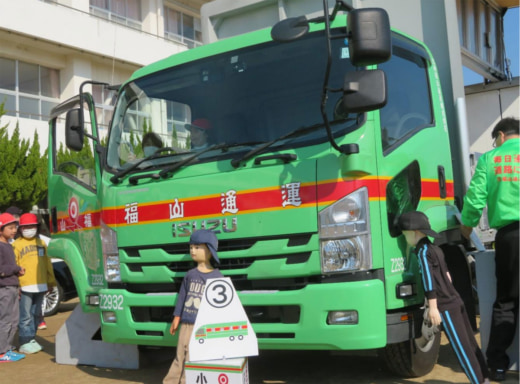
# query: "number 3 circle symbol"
{"points": [[219, 293]]}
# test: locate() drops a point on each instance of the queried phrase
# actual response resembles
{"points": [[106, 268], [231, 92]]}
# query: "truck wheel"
{"points": [[52, 301], [412, 358]]}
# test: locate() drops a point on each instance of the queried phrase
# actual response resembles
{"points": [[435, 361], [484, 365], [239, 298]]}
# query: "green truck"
{"points": [[320, 134]]}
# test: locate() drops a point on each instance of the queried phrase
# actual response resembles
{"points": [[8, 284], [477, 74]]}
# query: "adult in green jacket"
{"points": [[496, 183]]}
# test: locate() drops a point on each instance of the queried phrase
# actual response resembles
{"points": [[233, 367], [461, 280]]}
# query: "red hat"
{"points": [[203, 124], [28, 219], [6, 218]]}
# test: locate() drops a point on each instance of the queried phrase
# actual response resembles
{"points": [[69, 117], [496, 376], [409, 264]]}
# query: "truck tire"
{"points": [[412, 358]]}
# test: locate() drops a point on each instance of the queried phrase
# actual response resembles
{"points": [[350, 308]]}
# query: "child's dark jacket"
{"points": [[434, 273], [8, 268]]}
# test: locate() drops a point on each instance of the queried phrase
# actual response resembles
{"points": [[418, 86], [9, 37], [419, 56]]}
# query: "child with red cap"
{"points": [[31, 254], [199, 130], [9, 284]]}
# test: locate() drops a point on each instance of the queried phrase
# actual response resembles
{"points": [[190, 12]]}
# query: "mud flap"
{"points": [[76, 344]]}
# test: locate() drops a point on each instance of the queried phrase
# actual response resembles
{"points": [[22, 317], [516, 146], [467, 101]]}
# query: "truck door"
{"points": [[413, 157], [74, 179]]}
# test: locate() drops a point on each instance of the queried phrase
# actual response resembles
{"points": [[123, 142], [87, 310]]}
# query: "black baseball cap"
{"points": [[416, 220], [205, 236], [14, 210]]}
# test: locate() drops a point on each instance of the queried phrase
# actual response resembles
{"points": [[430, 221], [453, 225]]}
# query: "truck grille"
{"points": [[237, 268], [277, 314]]}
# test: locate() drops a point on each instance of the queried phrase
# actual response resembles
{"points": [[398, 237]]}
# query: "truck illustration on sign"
{"points": [[236, 329]]}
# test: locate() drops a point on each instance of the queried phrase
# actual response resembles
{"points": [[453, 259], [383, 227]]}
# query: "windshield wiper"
{"points": [[170, 170], [236, 162], [116, 178]]}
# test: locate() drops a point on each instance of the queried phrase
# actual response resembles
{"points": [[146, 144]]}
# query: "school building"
{"points": [[48, 48]]}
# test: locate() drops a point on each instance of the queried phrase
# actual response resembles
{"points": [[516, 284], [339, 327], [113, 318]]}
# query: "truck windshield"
{"points": [[241, 98]]}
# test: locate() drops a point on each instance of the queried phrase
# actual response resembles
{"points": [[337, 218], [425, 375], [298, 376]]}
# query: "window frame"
{"points": [[181, 38], [107, 12], [40, 99]]}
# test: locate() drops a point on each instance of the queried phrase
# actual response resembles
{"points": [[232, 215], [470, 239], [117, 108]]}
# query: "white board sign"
{"points": [[222, 329], [233, 371]]}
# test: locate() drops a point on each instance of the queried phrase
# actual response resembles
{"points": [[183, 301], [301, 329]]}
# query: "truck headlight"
{"points": [[345, 234], [110, 253]]}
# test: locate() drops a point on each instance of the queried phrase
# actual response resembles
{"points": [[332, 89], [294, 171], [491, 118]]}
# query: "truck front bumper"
{"points": [[308, 330]]}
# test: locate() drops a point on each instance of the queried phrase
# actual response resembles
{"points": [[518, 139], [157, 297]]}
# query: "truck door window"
{"points": [[409, 104], [403, 193], [80, 165]]}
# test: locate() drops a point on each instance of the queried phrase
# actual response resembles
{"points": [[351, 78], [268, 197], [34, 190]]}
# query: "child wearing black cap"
{"points": [[203, 248], [445, 304]]}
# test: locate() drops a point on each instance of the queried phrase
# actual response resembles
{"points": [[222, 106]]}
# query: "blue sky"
{"points": [[511, 40]]}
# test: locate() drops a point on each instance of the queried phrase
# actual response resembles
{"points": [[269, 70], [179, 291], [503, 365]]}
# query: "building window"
{"points": [[181, 27], [28, 90], [126, 12]]}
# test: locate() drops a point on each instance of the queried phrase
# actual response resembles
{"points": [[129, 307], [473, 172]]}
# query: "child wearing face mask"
{"points": [[151, 143], [31, 254]]}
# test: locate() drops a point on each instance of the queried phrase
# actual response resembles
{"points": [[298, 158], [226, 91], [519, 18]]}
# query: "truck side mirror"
{"points": [[74, 130], [364, 91], [369, 38], [290, 29]]}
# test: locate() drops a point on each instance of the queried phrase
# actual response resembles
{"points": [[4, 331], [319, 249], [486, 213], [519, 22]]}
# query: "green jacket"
{"points": [[495, 182]]}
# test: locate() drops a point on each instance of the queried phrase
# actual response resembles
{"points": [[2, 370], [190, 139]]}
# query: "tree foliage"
{"points": [[23, 170], [69, 161]]}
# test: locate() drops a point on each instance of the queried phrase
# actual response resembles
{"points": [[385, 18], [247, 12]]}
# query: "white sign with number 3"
{"points": [[222, 329]]}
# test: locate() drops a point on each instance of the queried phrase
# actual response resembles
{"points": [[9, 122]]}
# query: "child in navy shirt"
{"points": [[203, 248], [9, 285]]}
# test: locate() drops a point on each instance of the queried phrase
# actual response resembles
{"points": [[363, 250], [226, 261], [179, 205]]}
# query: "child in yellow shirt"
{"points": [[31, 254]]}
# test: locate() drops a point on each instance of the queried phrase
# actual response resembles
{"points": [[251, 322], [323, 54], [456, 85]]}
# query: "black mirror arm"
{"points": [[346, 149], [91, 137], [81, 100], [324, 95], [339, 6]]}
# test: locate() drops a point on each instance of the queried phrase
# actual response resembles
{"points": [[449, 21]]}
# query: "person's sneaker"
{"points": [[31, 347], [16, 354], [11, 356], [42, 325], [497, 374]]}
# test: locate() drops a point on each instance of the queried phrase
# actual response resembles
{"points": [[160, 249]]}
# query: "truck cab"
{"points": [[319, 134]]}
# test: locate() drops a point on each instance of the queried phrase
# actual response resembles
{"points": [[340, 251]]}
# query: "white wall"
{"points": [[79, 30], [486, 104], [82, 47], [27, 127]]}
